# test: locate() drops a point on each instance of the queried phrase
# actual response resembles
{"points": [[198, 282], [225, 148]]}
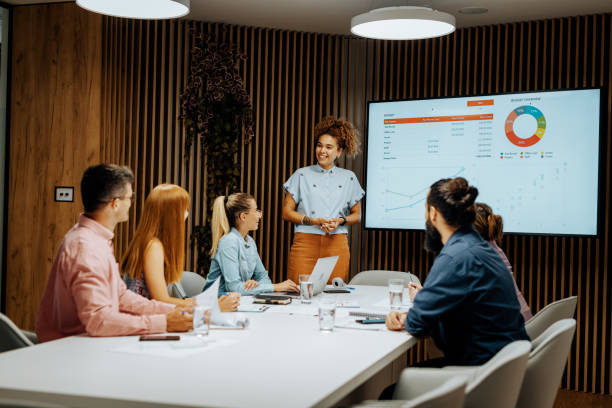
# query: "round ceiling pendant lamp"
{"points": [[139, 9], [403, 23]]}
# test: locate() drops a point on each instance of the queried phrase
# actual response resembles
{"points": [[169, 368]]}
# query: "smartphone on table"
{"points": [[160, 338], [370, 321]]}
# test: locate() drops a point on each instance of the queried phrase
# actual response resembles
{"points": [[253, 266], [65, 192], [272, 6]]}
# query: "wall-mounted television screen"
{"points": [[534, 158]]}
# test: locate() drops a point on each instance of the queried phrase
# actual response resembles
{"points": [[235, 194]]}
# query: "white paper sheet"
{"points": [[209, 299], [310, 310], [385, 305], [186, 346]]}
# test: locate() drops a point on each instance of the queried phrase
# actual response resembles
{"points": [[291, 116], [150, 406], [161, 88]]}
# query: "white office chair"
{"points": [[545, 366], [426, 388], [190, 285], [381, 277], [496, 383], [553, 312], [10, 336]]}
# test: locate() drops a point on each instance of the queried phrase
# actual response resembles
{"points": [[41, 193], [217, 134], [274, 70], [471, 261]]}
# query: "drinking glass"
{"points": [[396, 293], [305, 288], [201, 320], [327, 314]]}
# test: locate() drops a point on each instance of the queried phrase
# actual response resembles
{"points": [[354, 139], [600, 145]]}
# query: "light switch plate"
{"points": [[63, 193]]}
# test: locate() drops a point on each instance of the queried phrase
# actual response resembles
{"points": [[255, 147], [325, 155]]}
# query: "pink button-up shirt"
{"points": [[85, 293]]}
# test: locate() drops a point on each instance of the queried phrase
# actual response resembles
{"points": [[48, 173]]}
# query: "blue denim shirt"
{"points": [[238, 261], [323, 193], [468, 303]]}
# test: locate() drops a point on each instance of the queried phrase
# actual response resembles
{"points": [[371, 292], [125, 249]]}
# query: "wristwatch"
{"points": [[343, 220]]}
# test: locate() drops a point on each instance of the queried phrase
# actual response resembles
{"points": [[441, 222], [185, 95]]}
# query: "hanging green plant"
{"points": [[216, 111]]}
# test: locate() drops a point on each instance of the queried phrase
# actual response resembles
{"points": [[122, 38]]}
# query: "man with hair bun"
{"points": [[468, 304], [323, 200]]}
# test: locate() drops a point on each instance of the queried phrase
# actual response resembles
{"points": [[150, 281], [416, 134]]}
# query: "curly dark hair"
{"points": [[454, 198], [345, 133]]}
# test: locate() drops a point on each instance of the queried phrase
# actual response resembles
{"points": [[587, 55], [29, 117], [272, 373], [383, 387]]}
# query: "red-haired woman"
{"points": [[156, 255]]}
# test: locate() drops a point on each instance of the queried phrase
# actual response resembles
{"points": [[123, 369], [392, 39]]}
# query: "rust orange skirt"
{"points": [[307, 248]]}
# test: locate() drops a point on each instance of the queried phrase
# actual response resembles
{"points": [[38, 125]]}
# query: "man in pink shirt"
{"points": [[85, 293]]}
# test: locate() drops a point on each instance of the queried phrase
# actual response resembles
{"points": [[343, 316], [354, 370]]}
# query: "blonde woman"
{"points": [[234, 254], [322, 200], [156, 255]]}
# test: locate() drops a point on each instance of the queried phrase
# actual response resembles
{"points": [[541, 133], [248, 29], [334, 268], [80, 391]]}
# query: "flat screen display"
{"points": [[534, 158]]}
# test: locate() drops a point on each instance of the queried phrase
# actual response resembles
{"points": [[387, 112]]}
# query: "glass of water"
{"points": [[327, 314], [201, 320], [305, 289], [396, 293]]}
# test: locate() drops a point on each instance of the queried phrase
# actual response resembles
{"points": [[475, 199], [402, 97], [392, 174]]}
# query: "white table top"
{"points": [[281, 360]]}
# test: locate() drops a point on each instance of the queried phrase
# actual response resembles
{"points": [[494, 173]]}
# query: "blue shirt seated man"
{"points": [[468, 304]]}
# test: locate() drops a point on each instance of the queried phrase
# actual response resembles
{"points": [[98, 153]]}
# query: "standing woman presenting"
{"points": [[322, 200]]}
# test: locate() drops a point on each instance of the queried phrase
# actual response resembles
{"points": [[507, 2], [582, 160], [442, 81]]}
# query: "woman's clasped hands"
{"points": [[330, 225]]}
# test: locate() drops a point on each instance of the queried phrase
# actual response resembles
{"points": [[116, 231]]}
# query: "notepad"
{"points": [[252, 308], [350, 323], [368, 313], [347, 304]]}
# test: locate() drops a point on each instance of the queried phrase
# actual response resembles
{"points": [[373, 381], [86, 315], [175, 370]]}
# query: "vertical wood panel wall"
{"points": [[295, 78], [55, 117]]}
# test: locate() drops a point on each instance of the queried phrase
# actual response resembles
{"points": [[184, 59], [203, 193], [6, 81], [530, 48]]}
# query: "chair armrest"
{"points": [[382, 404], [30, 335], [461, 368], [414, 382]]}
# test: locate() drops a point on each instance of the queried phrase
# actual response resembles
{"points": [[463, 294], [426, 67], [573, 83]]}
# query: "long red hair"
{"points": [[163, 217]]}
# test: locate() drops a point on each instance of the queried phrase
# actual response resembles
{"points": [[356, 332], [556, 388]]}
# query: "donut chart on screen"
{"points": [[533, 139]]}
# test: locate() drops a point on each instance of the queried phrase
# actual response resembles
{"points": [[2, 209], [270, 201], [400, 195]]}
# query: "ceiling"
{"points": [[334, 16]]}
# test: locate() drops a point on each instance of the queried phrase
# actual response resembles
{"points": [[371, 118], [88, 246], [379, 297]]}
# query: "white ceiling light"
{"points": [[142, 9], [403, 23]]}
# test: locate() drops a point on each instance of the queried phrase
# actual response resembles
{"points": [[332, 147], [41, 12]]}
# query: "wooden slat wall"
{"points": [[295, 78], [55, 116], [551, 54]]}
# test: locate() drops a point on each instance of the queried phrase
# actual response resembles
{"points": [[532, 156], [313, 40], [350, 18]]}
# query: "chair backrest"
{"points": [[191, 284], [497, 382], [545, 366], [425, 388], [22, 403], [553, 312], [451, 394], [10, 336], [381, 277]]}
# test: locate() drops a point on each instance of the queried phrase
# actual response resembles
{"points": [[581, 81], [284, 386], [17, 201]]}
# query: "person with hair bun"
{"points": [[156, 254], [322, 200], [468, 304], [234, 254], [491, 228]]}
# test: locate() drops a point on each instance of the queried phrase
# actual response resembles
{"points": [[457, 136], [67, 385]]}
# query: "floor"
{"points": [[573, 399]]}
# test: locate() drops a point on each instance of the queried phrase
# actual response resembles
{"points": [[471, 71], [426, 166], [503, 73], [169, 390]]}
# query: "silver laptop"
{"points": [[319, 276]]}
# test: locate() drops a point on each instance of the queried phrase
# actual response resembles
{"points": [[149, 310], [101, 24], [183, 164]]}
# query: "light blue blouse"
{"points": [[237, 261], [323, 193]]}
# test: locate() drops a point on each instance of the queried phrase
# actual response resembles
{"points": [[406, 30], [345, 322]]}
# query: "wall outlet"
{"points": [[63, 193]]}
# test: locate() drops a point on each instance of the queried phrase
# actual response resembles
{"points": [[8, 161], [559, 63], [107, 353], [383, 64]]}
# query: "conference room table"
{"points": [[281, 360]]}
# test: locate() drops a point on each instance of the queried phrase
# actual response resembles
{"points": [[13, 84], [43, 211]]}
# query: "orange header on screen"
{"points": [[456, 118]]}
